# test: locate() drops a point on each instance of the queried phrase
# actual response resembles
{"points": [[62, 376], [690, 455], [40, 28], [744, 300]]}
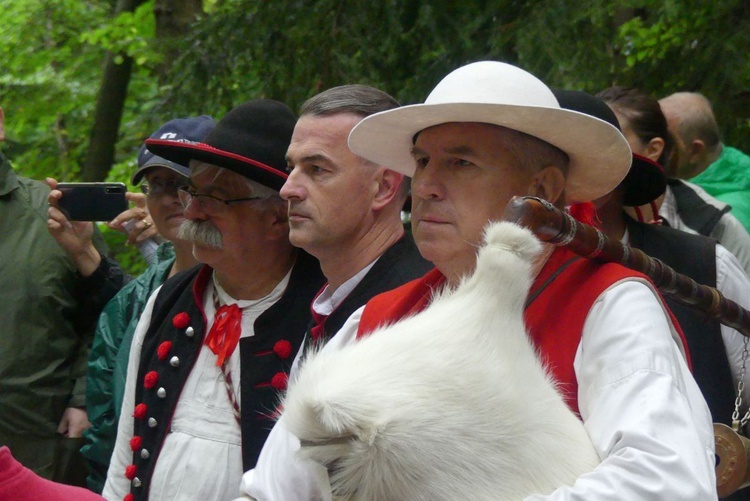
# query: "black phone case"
{"points": [[92, 201]]}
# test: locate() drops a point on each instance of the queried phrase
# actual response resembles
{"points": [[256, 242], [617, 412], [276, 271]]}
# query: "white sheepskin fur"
{"points": [[452, 403]]}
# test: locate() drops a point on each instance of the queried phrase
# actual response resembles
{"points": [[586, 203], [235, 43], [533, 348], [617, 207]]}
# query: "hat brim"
{"points": [[599, 154], [157, 161], [644, 183], [183, 152]]}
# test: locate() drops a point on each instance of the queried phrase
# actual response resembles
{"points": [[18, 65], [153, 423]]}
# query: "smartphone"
{"points": [[92, 201]]}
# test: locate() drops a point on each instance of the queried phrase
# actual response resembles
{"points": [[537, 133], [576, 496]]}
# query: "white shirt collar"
{"points": [[328, 301]]}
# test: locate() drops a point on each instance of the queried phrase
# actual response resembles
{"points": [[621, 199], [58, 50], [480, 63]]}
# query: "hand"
{"points": [[144, 225], [75, 237], [73, 422]]}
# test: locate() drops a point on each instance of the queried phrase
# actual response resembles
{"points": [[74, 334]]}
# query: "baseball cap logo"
{"points": [[168, 135]]}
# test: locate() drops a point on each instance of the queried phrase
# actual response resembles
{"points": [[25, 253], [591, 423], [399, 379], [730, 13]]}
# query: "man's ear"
{"points": [[2, 125], [548, 184], [389, 187], [697, 151]]}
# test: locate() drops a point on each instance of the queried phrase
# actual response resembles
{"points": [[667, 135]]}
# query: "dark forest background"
{"points": [[83, 82]]}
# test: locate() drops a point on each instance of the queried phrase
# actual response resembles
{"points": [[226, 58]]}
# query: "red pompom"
{"points": [[135, 443], [130, 471], [140, 411], [128, 497], [279, 380], [150, 380], [181, 320], [163, 350], [282, 348]]}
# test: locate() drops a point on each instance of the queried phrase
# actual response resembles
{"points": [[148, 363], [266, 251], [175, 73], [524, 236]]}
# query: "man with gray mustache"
{"points": [[201, 232], [215, 343]]}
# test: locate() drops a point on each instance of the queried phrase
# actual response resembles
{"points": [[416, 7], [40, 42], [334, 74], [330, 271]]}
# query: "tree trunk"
{"points": [[109, 108], [173, 18]]}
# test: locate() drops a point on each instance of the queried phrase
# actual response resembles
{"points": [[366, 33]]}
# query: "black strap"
{"points": [[549, 280]]}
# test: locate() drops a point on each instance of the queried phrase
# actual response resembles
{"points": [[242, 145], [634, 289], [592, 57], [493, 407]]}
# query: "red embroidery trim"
{"points": [[181, 320], [140, 411], [150, 380], [280, 380], [282, 348], [163, 350]]}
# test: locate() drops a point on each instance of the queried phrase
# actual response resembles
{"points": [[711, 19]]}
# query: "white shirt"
{"points": [[327, 301], [734, 284], [201, 458], [641, 408]]}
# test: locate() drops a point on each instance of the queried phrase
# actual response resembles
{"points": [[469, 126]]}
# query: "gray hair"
{"points": [[533, 154], [361, 100]]}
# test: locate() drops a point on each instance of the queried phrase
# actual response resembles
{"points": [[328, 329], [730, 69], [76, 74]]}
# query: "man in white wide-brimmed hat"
{"points": [[490, 131]]}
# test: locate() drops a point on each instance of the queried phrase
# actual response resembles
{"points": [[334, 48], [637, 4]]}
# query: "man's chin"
{"points": [[204, 247], [298, 238]]}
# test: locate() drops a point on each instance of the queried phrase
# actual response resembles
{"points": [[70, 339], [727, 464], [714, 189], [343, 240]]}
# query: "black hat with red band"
{"points": [[250, 140], [645, 180]]}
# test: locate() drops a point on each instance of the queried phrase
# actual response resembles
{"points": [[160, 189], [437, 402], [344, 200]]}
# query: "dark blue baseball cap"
{"points": [[187, 130]]}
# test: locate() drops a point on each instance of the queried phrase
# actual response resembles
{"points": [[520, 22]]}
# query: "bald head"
{"points": [[691, 120]]}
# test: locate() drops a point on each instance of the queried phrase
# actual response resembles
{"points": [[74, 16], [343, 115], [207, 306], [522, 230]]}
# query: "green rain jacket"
{"points": [[44, 334], [728, 179], [108, 363]]}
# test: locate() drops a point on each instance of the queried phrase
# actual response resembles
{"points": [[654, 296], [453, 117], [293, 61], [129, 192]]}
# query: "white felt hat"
{"points": [[501, 94]]}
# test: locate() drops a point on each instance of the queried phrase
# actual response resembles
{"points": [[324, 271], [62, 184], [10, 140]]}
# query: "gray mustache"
{"points": [[202, 233]]}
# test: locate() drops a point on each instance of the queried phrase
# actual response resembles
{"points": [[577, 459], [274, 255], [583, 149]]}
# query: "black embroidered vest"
{"points": [[399, 264], [694, 256], [172, 345]]}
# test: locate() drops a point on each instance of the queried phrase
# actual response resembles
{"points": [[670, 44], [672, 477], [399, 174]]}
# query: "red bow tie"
{"points": [[225, 333]]}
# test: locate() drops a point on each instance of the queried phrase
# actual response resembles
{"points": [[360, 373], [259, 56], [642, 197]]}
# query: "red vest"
{"points": [[566, 283]]}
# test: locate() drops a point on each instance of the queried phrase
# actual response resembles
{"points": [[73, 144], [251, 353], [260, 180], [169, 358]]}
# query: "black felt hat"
{"points": [[645, 180], [250, 140]]}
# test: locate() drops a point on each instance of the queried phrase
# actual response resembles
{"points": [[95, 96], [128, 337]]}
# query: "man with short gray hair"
{"points": [[346, 211], [702, 158]]}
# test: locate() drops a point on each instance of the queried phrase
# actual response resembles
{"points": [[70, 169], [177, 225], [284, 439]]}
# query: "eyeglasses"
{"points": [[158, 188], [209, 203]]}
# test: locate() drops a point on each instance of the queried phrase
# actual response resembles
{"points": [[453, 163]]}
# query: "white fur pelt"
{"points": [[449, 404]]}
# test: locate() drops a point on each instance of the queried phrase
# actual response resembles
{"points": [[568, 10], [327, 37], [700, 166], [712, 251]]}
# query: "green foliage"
{"points": [[129, 33], [50, 71], [695, 46], [660, 46]]}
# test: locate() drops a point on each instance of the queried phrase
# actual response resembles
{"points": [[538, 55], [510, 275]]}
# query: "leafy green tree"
{"points": [[235, 50]]}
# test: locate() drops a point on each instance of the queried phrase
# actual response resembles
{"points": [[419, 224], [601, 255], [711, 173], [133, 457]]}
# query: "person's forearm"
{"points": [[86, 260]]}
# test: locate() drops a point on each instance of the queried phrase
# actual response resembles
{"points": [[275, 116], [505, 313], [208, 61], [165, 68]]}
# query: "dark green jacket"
{"points": [[108, 363], [44, 334]]}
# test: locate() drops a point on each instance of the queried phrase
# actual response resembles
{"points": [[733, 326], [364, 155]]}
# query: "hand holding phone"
{"points": [[92, 201]]}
